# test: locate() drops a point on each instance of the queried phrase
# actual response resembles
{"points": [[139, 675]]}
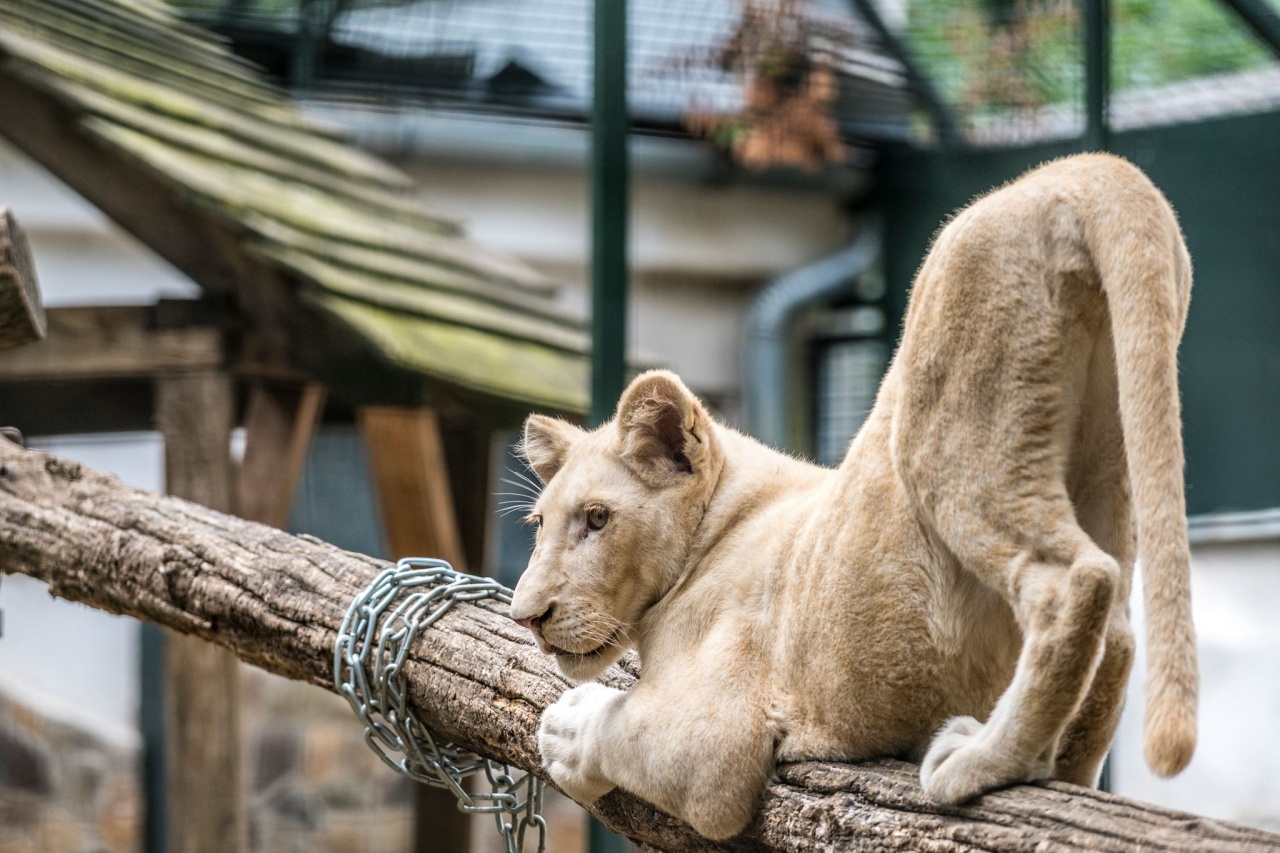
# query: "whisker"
{"points": [[533, 480], [537, 484], [521, 487]]}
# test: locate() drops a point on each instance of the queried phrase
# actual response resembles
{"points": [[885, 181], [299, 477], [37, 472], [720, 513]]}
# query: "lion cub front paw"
{"points": [[566, 746], [965, 760]]}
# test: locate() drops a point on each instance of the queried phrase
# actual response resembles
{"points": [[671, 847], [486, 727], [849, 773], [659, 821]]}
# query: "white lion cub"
{"points": [[954, 593]]}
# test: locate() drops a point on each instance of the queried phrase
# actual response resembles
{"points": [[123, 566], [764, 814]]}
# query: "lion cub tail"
{"points": [[1146, 276]]}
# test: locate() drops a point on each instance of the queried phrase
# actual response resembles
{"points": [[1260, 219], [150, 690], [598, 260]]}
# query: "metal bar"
{"points": [[949, 132], [609, 202], [1261, 18], [610, 180], [1097, 65], [155, 822]]}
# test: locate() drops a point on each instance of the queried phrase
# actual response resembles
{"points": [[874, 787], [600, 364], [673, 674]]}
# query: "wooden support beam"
{"points": [[410, 471], [206, 799], [112, 342], [279, 423], [21, 312], [477, 679]]}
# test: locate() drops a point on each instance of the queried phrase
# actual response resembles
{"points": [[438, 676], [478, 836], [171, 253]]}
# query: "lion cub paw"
{"points": [[566, 746], [964, 761]]}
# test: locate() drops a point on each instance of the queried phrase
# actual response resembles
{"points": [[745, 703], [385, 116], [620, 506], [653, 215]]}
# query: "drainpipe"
{"points": [[765, 369]]}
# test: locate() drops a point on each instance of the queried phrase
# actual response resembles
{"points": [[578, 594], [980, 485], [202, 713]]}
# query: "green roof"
{"points": [[345, 232]]}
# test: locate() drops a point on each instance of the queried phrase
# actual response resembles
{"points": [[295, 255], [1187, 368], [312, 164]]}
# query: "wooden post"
{"points": [[410, 472], [279, 423], [21, 314], [205, 781]]}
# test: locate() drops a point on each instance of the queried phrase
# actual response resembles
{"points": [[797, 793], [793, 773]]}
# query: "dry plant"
{"points": [[789, 89], [1006, 47]]}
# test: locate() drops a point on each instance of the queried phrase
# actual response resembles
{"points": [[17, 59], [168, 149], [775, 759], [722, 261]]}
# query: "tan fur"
{"points": [[956, 592]]}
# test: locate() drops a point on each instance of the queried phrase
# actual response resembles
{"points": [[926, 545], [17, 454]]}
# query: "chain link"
{"points": [[367, 670]]}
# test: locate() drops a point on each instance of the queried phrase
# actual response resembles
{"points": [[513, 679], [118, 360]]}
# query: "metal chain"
{"points": [[367, 664]]}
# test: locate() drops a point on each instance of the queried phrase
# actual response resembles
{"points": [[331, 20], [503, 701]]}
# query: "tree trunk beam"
{"points": [[278, 600], [21, 314]]}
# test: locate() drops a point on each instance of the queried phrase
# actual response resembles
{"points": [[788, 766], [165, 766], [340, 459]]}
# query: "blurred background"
{"points": [[349, 244]]}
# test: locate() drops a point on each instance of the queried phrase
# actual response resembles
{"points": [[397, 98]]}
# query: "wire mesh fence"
{"points": [[534, 57]]}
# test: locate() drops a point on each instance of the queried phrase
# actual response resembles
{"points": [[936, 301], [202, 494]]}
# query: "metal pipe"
{"points": [[765, 369]]}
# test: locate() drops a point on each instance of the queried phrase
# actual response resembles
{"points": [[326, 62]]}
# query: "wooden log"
{"points": [[21, 313], [277, 601], [204, 752]]}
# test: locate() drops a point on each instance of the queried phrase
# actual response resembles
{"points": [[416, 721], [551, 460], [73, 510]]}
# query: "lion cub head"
{"points": [[616, 518]]}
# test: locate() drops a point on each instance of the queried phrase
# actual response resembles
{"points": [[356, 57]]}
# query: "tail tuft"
{"points": [[1170, 738]]}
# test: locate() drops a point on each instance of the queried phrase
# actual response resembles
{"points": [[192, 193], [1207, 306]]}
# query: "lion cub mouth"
{"points": [[594, 653]]}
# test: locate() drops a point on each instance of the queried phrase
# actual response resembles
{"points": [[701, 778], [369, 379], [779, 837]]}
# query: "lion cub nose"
{"points": [[534, 623]]}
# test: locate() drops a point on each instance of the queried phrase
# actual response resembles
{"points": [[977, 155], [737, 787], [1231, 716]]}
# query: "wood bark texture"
{"points": [[277, 601], [21, 313]]}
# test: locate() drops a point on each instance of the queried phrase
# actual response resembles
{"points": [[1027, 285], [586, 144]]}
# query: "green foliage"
{"points": [[986, 56], [1164, 41]]}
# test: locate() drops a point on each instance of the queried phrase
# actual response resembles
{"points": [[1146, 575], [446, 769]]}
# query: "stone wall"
{"points": [[67, 785]]}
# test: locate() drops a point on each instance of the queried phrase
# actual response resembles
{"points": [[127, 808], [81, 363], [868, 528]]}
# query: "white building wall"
{"points": [[81, 257], [1235, 774], [68, 652], [699, 251], [55, 653]]}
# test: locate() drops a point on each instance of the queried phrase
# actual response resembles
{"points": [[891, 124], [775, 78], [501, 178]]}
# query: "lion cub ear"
{"points": [[546, 443], [663, 427]]}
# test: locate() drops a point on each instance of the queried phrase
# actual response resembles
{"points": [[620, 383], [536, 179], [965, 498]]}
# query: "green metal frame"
{"points": [[1261, 18], [610, 179], [1097, 56], [610, 185], [949, 133], [152, 711]]}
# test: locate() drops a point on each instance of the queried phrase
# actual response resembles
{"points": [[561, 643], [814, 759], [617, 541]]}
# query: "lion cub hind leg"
{"points": [[1086, 741], [1063, 608]]}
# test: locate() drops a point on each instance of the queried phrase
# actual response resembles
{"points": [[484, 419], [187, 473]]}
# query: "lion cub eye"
{"points": [[597, 517]]}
